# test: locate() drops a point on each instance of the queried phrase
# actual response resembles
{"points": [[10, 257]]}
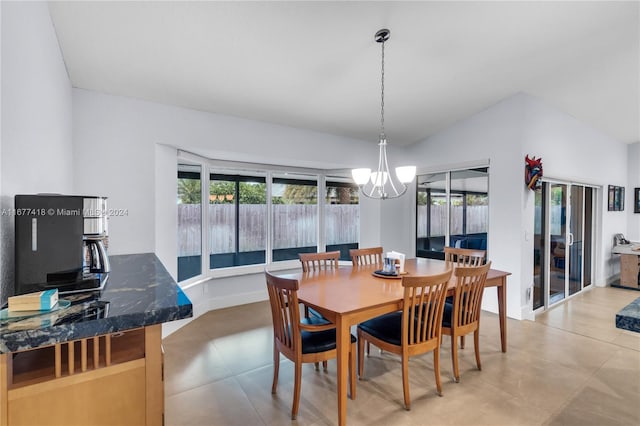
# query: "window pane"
{"points": [[189, 222], [431, 215], [477, 213], [469, 209], [456, 214], [237, 220], [342, 218], [295, 217], [222, 222]]}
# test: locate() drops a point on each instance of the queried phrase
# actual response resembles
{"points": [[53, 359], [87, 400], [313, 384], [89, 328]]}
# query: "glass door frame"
{"points": [[595, 197]]}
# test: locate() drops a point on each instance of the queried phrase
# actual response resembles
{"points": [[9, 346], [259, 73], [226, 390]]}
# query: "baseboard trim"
{"points": [[212, 304], [237, 299]]}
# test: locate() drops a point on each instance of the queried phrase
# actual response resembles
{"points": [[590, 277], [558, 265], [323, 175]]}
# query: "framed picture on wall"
{"points": [[636, 200], [612, 197], [616, 199]]}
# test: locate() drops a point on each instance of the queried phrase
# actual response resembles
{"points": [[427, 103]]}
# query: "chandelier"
{"points": [[381, 184]]}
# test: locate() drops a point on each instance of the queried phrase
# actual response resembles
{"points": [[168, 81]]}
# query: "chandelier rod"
{"points": [[382, 135]]}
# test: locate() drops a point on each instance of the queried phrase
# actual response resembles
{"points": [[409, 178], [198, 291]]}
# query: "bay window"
{"points": [[256, 215]]}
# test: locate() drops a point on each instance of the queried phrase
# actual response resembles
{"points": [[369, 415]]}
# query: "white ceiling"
{"points": [[315, 65]]}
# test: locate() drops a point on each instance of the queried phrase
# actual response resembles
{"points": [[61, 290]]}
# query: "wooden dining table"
{"points": [[350, 295]]}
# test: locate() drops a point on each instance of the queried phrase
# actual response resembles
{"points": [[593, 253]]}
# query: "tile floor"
{"points": [[569, 367]]}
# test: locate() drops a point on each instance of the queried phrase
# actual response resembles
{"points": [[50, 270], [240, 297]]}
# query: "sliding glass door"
{"points": [[563, 241], [557, 249]]}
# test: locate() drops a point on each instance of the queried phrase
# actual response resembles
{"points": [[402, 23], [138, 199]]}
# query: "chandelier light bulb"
{"points": [[406, 173], [361, 176]]}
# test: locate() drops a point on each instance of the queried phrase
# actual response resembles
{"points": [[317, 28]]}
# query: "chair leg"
{"points": [[368, 348], [276, 369], [436, 369], [360, 355], [405, 382], [352, 371], [476, 346], [296, 390], [461, 342], [324, 366], [316, 365], [454, 358]]}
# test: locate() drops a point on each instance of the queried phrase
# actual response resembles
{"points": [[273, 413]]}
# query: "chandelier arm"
{"points": [[386, 166], [370, 195], [379, 180]]}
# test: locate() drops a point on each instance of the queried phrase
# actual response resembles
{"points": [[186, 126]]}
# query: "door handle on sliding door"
{"points": [[570, 239]]}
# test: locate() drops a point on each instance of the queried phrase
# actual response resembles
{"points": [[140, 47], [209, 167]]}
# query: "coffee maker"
{"points": [[95, 238], [61, 242]]}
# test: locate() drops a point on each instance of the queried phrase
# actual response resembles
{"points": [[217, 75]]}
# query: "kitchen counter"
{"points": [[629, 317], [629, 264], [633, 248], [139, 292], [100, 360]]}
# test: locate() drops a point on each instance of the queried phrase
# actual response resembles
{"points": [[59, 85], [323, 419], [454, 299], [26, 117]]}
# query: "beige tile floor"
{"points": [[569, 367]]}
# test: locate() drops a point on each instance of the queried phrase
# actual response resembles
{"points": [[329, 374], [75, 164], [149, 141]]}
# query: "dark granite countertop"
{"points": [[139, 292], [629, 317]]}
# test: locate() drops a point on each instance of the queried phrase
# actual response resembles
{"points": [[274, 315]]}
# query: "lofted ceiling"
{"points": [[315, 65]]}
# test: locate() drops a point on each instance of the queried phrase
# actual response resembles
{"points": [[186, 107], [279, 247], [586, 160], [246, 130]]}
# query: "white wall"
{"points": [[492, 134], [573, 151], [36, 118], [505, 133], [125, 149], [3, 292], [166, 188], [633, 181], [123, 133]]}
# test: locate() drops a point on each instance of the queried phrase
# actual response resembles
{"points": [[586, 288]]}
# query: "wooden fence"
{"points": [[294, 225], [477, 220]]}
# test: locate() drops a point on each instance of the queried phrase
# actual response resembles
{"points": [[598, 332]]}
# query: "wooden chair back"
{"points": [[366, 256], [319, 261], [464, 257], [424, 298], [467, 300], [283, 297]]}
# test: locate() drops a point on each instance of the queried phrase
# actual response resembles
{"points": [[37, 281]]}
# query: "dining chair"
{"points": [[312, 262], [464, 257], [463, 315], [366, 256], [299, 340], [414, 330], [319, 261]]}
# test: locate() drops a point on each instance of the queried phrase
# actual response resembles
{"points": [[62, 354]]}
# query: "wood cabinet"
{"points": [[629, 270], [114, 379]]}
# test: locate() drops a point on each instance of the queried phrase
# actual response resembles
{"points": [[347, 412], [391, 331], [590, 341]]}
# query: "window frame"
{"points": [[236, 179], [182, 174], [447, 191], [213, 167]]}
